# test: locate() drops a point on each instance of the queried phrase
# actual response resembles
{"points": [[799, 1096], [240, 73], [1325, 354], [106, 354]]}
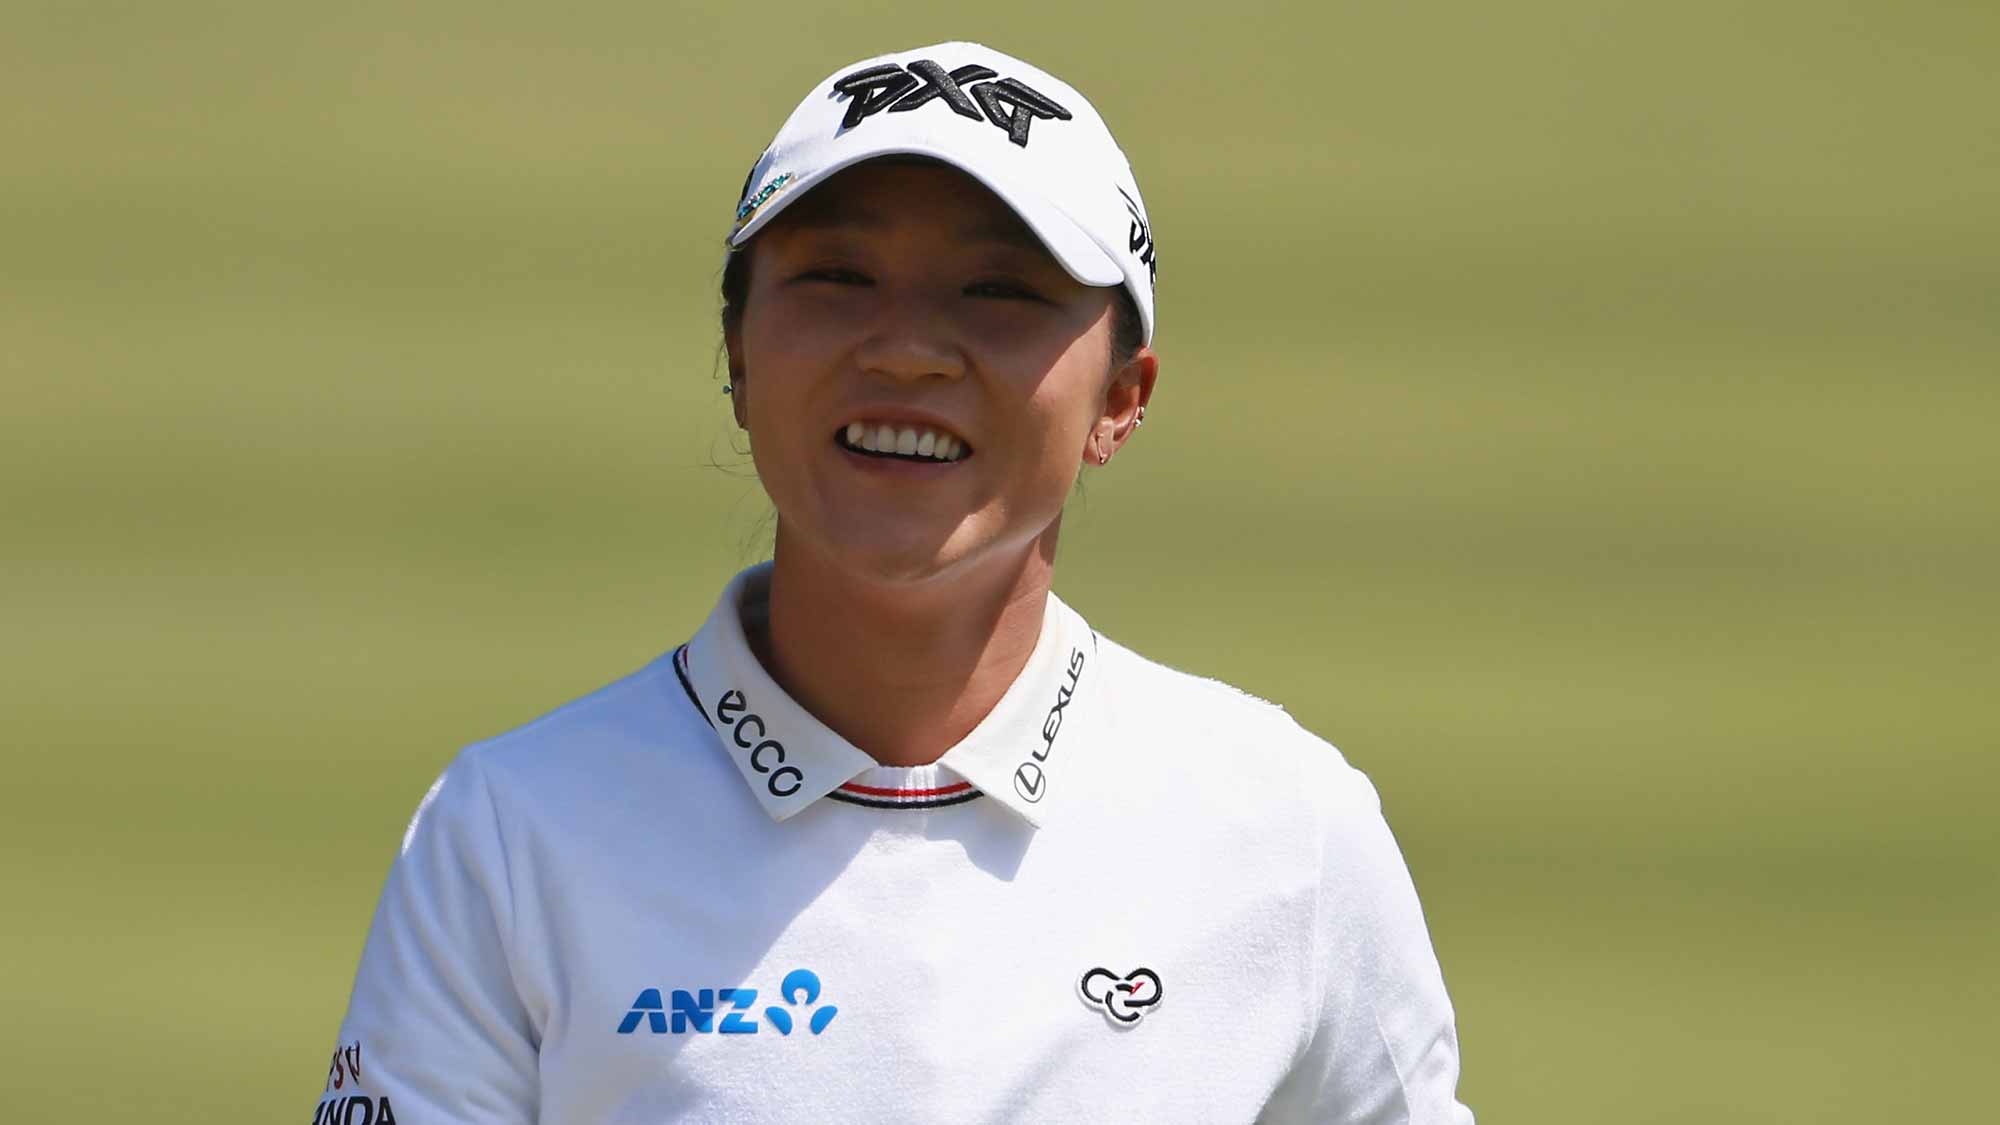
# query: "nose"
{"points": [[912, 338]]}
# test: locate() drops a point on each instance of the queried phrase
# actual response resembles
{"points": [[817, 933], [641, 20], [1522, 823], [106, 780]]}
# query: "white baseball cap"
{"points": [[1024, 133]]}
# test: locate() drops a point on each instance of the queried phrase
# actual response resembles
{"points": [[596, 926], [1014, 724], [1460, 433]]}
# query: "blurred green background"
{"points": [[1582, 413]]}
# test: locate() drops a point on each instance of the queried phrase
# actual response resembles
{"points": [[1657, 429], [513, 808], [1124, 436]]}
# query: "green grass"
{"points": [[1582, 414]]}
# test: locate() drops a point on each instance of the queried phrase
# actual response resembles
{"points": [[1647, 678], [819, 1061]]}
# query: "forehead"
{"points": [[909, 196]]}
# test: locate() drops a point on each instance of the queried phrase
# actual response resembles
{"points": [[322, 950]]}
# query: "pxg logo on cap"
{"points": [[1009, 103]]}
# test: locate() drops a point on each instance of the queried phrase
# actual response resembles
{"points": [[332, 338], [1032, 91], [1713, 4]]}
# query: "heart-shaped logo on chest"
{"points": [[1123, 1000]]}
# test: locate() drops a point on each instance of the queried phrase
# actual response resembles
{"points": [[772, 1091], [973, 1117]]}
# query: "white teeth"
{"points": [[908, 441]]}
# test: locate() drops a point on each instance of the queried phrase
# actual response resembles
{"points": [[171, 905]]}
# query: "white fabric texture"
{"points": [[571, 893]]}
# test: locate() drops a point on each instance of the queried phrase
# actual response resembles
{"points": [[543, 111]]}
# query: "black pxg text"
{"points": [[1009, 103]]}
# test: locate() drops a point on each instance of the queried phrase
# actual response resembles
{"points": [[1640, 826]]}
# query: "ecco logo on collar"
{"points": [[1029, 781], [1009, 103], [784, 780], [1123, 1000]]}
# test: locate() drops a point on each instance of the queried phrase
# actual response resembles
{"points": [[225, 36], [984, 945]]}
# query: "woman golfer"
{"points": [[897, 836]]}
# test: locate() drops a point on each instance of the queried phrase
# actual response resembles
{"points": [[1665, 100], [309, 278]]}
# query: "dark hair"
{"points": [[1127, 331]]}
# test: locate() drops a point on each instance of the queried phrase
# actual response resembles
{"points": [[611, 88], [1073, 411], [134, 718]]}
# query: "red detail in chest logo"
{"points": [[1123, 1000]]}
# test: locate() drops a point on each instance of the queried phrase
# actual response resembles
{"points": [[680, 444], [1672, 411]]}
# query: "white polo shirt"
{"points": [[1129, 895]]}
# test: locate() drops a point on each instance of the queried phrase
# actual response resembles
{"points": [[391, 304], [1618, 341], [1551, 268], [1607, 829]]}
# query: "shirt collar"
{"points": [[1015, 756]]}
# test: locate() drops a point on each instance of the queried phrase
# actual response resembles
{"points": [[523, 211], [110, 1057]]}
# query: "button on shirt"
{"points": [[1130, 894]]}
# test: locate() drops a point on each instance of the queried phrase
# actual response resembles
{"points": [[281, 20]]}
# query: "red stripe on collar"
{"points": [[878, 791]]}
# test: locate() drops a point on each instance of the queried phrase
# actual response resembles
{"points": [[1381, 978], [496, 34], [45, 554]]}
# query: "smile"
{"points": [[907, 443]]}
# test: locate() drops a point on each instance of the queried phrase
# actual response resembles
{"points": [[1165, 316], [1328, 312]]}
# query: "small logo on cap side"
{"points": [[1139, 239], [762, 197]]}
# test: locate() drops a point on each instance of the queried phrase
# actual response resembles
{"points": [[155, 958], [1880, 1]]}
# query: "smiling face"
{"points": [[920, 379]]}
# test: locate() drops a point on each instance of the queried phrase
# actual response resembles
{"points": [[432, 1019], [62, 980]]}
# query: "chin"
{"points": [[905, 554], [911, 548], [903, 564]]}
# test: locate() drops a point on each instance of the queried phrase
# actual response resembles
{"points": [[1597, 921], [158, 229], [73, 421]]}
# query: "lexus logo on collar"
{"points": [[1123, 1000], [1028, 782]]}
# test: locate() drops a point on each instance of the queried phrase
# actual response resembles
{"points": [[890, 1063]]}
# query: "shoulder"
{"points": [[1209, 728], [1238, 779], [629, 731]]}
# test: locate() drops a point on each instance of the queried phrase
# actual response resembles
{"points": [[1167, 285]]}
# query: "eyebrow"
{"points": [[1015, 234]]}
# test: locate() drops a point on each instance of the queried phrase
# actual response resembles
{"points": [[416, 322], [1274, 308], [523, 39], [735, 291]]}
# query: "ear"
{"points": [[739, 390], [1126, 395]]}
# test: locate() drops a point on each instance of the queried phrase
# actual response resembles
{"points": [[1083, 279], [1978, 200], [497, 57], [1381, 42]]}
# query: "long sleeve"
{"points": [[1384, 1050], [436, 1033]]}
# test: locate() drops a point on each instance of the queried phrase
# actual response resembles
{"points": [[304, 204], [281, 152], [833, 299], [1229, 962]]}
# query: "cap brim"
{"points": [[1078, 254]]}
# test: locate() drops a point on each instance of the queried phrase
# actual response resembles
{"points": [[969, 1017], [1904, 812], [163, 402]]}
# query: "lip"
{"points": [[897, 467]]}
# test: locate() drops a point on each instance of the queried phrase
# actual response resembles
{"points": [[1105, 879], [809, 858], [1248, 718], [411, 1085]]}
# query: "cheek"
{"points": [[1063, 412], [774, 384], [1072, 395], [790, 343], [776, 355]]}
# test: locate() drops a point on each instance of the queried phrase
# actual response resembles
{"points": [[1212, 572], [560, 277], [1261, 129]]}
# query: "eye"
{"points": [[835, 275]]}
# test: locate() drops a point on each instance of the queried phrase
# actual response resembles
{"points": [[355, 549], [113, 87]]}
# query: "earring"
{"points": [[729, 388], [1141, 419]]}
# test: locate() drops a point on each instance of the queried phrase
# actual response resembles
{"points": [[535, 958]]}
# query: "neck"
{"points": [[902, 670]]}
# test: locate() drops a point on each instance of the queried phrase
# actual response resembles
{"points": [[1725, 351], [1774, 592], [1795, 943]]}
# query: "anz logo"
{"points": [[695, 1011]]}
